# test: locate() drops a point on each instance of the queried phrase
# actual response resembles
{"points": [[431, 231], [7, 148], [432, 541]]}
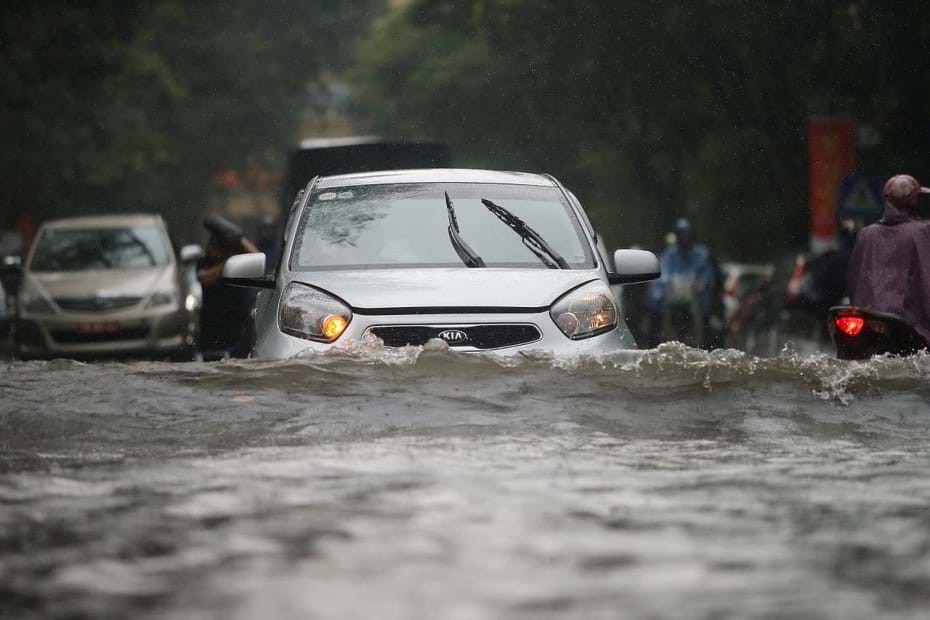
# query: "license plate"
{"points": [[105, 327]]}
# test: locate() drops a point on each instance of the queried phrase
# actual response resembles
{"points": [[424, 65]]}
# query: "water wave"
{"points": [[368, 390], [671, 365]]}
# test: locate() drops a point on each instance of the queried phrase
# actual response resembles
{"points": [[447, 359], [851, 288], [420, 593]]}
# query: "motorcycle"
{"points": [[682, 319], [859, 333]]}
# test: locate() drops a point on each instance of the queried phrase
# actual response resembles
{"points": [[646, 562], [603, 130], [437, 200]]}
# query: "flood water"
{"points": [[662, 484]]}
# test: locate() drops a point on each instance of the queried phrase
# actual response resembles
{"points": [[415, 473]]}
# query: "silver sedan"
{"points": [[484, 261], [107, 285]]}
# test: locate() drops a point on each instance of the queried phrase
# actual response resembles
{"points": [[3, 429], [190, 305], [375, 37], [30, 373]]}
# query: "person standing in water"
{"points": [[225, 316]]}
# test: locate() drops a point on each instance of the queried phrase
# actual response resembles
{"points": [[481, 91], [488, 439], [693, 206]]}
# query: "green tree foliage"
{"points": [[651, 110], [125, 105]]}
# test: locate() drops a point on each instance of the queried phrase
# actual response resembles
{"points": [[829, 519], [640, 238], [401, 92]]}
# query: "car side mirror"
{"points": [[191, 254], [247, 270], [11, 273], [633, 266]]}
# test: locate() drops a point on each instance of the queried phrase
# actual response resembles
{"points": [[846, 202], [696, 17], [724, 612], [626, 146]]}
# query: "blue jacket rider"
{"points": [[688, 273]]}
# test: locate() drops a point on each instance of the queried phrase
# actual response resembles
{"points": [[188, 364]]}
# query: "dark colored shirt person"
{"points": [[224, 318], [890, 266]]}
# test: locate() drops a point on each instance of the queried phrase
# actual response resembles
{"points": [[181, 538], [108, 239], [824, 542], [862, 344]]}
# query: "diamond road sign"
{"points": [[860, 198]]}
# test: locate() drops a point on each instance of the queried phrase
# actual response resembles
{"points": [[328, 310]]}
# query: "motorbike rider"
{"points": [[688, 292], [889, 270], [224, 318]]}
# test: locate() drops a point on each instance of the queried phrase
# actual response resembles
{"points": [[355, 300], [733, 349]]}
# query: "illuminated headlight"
{"points": [[585, 312], [308, 313], [37, 305], [162, 298]]}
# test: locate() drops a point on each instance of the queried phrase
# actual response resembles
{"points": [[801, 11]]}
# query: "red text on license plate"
{"points": [[105, 327]]}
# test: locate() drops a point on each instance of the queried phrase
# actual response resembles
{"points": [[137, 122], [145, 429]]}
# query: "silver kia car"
{"points": [[107, 285], [481, 260]]}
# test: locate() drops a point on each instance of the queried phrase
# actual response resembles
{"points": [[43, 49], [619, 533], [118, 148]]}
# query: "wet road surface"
{"points": [[663, 484]]}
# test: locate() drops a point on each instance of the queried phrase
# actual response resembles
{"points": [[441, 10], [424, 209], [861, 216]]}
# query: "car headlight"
{"points": [[585, 312], [161, 298], [308, 313], [37, 305]]}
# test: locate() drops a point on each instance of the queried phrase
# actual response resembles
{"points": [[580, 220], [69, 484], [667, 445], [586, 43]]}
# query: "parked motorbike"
{"points": [[859, 333], [751, 325]]}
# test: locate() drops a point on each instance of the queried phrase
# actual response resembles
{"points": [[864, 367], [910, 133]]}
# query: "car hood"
{"points": [[385, 289], [112, 282]]}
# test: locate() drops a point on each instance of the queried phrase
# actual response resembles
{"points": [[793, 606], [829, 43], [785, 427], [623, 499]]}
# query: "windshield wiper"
{"points": [[468, 255], [531, 239]]}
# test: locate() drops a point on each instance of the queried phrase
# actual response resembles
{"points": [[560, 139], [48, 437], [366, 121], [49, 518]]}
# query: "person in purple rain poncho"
{"points": [[890, 266]]}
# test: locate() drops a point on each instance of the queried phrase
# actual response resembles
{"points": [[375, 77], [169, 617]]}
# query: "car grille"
{"points": [[96, 304], [73, 337], [492, 336]]}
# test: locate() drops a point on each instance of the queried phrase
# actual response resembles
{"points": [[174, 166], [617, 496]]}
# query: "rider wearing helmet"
{"points": [[688, 292], [890, 266]]}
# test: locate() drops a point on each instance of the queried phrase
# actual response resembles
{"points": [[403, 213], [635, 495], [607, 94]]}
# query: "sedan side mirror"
{"points": [[11, 273], [247, 270], [633, 266], [191, 254]]}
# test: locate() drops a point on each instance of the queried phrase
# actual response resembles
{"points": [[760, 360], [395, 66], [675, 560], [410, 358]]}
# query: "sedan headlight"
{"points": [[37, 305], [585, 312], [308, 313], [162, 298]]}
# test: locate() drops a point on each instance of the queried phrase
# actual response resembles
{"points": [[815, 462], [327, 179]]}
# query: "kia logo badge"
{"points": [[453, 336]]}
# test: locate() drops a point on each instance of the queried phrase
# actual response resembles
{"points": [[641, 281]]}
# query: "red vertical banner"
{"points": [[26, 228], [832, 156]]}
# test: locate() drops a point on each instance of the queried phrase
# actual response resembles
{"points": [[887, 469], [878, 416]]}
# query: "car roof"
{"points": [[435, 175], [325, 143], [106, 221]]}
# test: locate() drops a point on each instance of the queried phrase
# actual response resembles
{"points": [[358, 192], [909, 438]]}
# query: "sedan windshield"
{"points": [[385, 226], [95, 249]]}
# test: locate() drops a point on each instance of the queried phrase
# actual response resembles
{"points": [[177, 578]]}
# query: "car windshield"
{"points": [[389, 226], [96, 249]]}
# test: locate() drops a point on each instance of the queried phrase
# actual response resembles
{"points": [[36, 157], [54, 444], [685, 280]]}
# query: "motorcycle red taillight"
{"points": [[850, 325]]}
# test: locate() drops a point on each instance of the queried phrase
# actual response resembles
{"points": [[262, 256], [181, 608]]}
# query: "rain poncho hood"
{"points": [[890, 268]]}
